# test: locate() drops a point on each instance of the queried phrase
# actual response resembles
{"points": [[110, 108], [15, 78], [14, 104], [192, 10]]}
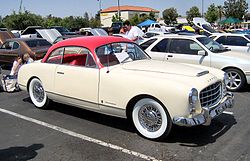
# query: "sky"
{"points": [[63, 8]]}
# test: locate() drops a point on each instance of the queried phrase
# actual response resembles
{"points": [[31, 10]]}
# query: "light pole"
{"points": [[119, 15], [202, 7]]}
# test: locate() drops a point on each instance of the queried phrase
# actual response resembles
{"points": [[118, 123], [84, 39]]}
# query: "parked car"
{"points": [[203, 25], [60, 38], [63, 30], [11, 48], [154, 33], [112, 75], [4, 35], [201, 50], [237, 42]]}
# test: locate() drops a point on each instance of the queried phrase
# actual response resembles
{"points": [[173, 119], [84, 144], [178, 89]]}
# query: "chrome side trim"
{"points": [[92, 106]]}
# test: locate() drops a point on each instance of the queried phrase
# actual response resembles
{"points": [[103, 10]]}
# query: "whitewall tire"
{"points": [[37, 94], [151, 119]]}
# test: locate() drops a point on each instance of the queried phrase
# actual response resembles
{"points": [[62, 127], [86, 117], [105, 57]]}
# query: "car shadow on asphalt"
{"points": [[20, 153], [115, 122], [185, 136], [246, 88], [202, 135]]}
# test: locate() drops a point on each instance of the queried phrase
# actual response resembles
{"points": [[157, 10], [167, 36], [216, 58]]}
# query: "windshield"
{"points": [[248, 36], [212, 45], [62, 29], [117, 53], [209, 28]]}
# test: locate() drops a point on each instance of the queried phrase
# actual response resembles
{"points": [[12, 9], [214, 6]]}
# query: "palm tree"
{"points": [[220, 11]]}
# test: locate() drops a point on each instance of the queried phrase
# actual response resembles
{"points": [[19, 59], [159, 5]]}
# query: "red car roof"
{"points": [[90, 42]]}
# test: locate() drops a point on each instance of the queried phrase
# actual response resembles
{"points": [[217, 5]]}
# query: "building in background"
{"points": [[126, 13]]}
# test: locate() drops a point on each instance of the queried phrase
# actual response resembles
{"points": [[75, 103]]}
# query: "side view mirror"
{"points": [[202, 53], [248, 44]]}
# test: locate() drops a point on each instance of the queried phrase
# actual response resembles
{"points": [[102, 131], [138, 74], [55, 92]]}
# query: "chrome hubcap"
{"points": [[38, 92], [234, 80], [150, 118]]}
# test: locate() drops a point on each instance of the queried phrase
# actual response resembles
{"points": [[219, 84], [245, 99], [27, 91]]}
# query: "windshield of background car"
{"points": [[211, 45], [248, 36], [116, 53], [37, 43], [209, 28]]}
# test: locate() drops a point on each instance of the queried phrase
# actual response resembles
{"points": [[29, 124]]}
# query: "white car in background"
{"points": [[201, 50], [237, 42]]}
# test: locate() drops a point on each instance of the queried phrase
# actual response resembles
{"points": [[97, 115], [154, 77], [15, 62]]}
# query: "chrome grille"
{"points": [[211, 95]]}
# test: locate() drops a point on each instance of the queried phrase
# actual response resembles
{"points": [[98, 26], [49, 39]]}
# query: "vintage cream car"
{"points": [[201, 50], [112, 75]]}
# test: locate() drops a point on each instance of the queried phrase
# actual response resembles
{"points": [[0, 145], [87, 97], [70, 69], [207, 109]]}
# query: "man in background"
{"points": [[134, 33]]}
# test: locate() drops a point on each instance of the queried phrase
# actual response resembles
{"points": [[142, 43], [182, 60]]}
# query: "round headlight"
{"points": [[193, 96]]}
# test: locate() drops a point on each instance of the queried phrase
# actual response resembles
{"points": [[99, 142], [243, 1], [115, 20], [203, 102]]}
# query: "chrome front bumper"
{"points": [[207, 114]]}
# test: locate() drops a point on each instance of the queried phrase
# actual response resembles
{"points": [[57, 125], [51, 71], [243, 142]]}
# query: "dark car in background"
{"points": [[11, 48], [62, 30]]}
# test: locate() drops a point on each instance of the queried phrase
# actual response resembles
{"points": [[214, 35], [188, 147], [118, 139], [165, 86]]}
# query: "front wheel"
{"points": [[151, 119], [236, 80], [37, 94]]}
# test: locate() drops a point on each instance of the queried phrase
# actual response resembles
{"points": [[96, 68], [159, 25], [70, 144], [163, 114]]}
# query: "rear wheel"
{"points": [[151, 119], [236, 81], [37, 94]]}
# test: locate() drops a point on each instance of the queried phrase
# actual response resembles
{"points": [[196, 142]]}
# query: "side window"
{"points": [[146, 44], [7, 45], [56, 56], [15, 45], [182, 46], [106, 54], [157, 26], [236, 41], [78, 56], [222, 40], [161, 46]]}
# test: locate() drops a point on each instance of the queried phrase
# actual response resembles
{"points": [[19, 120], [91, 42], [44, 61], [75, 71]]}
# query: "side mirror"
{"points": [[202, 53], [248, 44]]}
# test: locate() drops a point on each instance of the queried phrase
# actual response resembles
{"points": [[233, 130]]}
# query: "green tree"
{"points": [[1, 22], [170, 15], [52, 21], [151, 16], [116, 18], [212, 13], [235, 8], [193, 12], [22, 20], [136, 19], [86, 18], [220, 11]]}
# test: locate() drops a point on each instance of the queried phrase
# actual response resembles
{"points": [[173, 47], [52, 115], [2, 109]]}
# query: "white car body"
{"points": [[186, 95], [237, 42], [221, 60]]}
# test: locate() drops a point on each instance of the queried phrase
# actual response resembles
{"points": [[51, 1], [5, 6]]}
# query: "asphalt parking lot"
{"points": [[68, 133]]}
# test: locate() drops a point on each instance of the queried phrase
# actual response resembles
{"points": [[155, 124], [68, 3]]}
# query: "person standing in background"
{"points": [[134, 33]]}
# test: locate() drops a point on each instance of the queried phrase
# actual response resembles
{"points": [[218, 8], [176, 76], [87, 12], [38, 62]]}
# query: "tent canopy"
{"points": [[146, 23], [230, 20]]}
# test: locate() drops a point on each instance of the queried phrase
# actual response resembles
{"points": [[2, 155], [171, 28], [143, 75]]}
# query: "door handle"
{"points": [[59, 72], [170, 56]]}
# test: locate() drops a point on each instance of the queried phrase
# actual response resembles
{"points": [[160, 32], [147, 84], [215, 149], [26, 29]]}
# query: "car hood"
{"points": [[49, 34], [165, 67]]}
